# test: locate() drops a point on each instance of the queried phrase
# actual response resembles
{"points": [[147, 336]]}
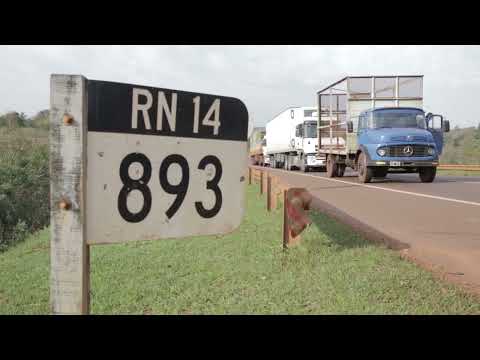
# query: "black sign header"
{"points": [[135, 109]]}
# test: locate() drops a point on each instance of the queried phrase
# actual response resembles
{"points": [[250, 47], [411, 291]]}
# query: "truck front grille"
{"points": [[398, 151]]}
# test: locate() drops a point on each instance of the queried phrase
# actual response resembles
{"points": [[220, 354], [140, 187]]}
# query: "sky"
{"points": [[268, 79]]}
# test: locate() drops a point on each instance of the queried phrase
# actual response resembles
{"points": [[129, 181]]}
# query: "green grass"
{"points": [[457, 173], [333, 271]]}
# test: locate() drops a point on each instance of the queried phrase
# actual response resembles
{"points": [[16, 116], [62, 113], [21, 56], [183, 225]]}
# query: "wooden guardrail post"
{"points": [[265, 182], [271, 194], [261, 182]]}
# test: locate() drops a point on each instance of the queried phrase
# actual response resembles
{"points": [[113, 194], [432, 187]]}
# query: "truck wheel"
{"points": [[365, 173], [340, 169], [427, 174], [331, 166]]}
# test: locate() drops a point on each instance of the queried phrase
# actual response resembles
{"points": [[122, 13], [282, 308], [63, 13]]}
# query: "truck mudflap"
{"points": [[403, 163]]}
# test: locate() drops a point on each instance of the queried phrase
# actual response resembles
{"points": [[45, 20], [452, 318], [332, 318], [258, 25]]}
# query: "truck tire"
{"points": [[427, 174], [365, 173], [331, 166], [340, 170]]}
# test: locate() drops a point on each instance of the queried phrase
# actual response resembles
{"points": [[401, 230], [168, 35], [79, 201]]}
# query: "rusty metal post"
{"points": [[288, 239]]}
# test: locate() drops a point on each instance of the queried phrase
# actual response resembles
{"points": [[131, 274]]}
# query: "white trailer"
{"points": [[291, 140]]}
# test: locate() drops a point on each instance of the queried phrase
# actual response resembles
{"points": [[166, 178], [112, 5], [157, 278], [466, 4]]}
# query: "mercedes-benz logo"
{"points": [[408, 150]]}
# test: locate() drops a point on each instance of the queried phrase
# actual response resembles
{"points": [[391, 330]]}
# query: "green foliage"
{"points": [[14, 119], [41, 120], [24, 186], [462, 146]]}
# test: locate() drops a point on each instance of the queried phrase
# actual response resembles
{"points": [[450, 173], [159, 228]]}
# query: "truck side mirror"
{"points": [[446, 125], [350, 126]]}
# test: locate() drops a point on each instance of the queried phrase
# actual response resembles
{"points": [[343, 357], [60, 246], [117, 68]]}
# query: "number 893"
{"points": [[180, 190]]}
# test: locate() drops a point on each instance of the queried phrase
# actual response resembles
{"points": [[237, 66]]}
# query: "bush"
{"points": [[24, 188]]}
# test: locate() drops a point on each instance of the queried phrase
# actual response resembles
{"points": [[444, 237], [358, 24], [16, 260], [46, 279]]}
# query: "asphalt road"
{"points": [[437, 224]]}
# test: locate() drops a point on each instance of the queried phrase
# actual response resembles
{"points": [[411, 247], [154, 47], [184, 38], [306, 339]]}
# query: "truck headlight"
{"points": [[381, 151], [431, 151]]}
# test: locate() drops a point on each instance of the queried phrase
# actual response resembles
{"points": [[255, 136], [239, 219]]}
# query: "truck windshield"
{"points": [[310, 129], [397, 118]]}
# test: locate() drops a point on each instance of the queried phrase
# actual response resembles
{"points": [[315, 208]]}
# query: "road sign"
{"points": [[163, 163], [131, 162]]}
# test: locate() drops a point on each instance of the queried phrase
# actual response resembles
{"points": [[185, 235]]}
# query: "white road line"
{"points": [[392, 190]]}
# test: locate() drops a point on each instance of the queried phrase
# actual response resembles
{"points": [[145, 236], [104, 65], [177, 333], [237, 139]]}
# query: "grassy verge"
{"points": [[457, 173], [333, 271]]}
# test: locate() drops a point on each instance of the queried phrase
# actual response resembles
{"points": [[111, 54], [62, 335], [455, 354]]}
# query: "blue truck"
{"points": [[377, 125]]}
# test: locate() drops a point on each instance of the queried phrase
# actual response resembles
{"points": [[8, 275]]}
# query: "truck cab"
{"points": [[291, 140], [399, 139], [306, 144]]}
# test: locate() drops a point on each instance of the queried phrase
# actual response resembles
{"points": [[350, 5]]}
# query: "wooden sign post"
{"points": [[69, 252], [161, 163]]}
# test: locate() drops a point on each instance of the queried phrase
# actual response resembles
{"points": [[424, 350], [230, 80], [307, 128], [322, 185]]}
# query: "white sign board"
{"points": [[162, 163]]}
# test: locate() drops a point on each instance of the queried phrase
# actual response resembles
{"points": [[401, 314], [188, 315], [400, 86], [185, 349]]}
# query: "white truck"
{"points": [[291, 140]]}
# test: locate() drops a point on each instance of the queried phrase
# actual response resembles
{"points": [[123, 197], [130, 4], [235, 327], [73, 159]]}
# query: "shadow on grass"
{"points": [[348, 232], [336, 234], [334, 228]]}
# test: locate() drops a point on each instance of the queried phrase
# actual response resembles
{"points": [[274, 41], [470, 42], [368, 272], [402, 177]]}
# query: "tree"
{"points": [[14, 119], [41, 119]]}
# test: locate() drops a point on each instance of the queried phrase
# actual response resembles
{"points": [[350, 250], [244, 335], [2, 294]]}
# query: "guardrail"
{"points": [[295, 202], [459, 167]]}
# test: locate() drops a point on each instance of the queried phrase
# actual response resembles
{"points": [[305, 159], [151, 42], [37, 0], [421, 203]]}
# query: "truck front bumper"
{"points": [[410, 163], [315, 161]]}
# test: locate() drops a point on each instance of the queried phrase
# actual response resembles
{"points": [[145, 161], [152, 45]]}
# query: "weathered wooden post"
{"points": [[265, 182], [69, 252], [269, 193], [249, 175], [272, 193], [287, 238]]}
